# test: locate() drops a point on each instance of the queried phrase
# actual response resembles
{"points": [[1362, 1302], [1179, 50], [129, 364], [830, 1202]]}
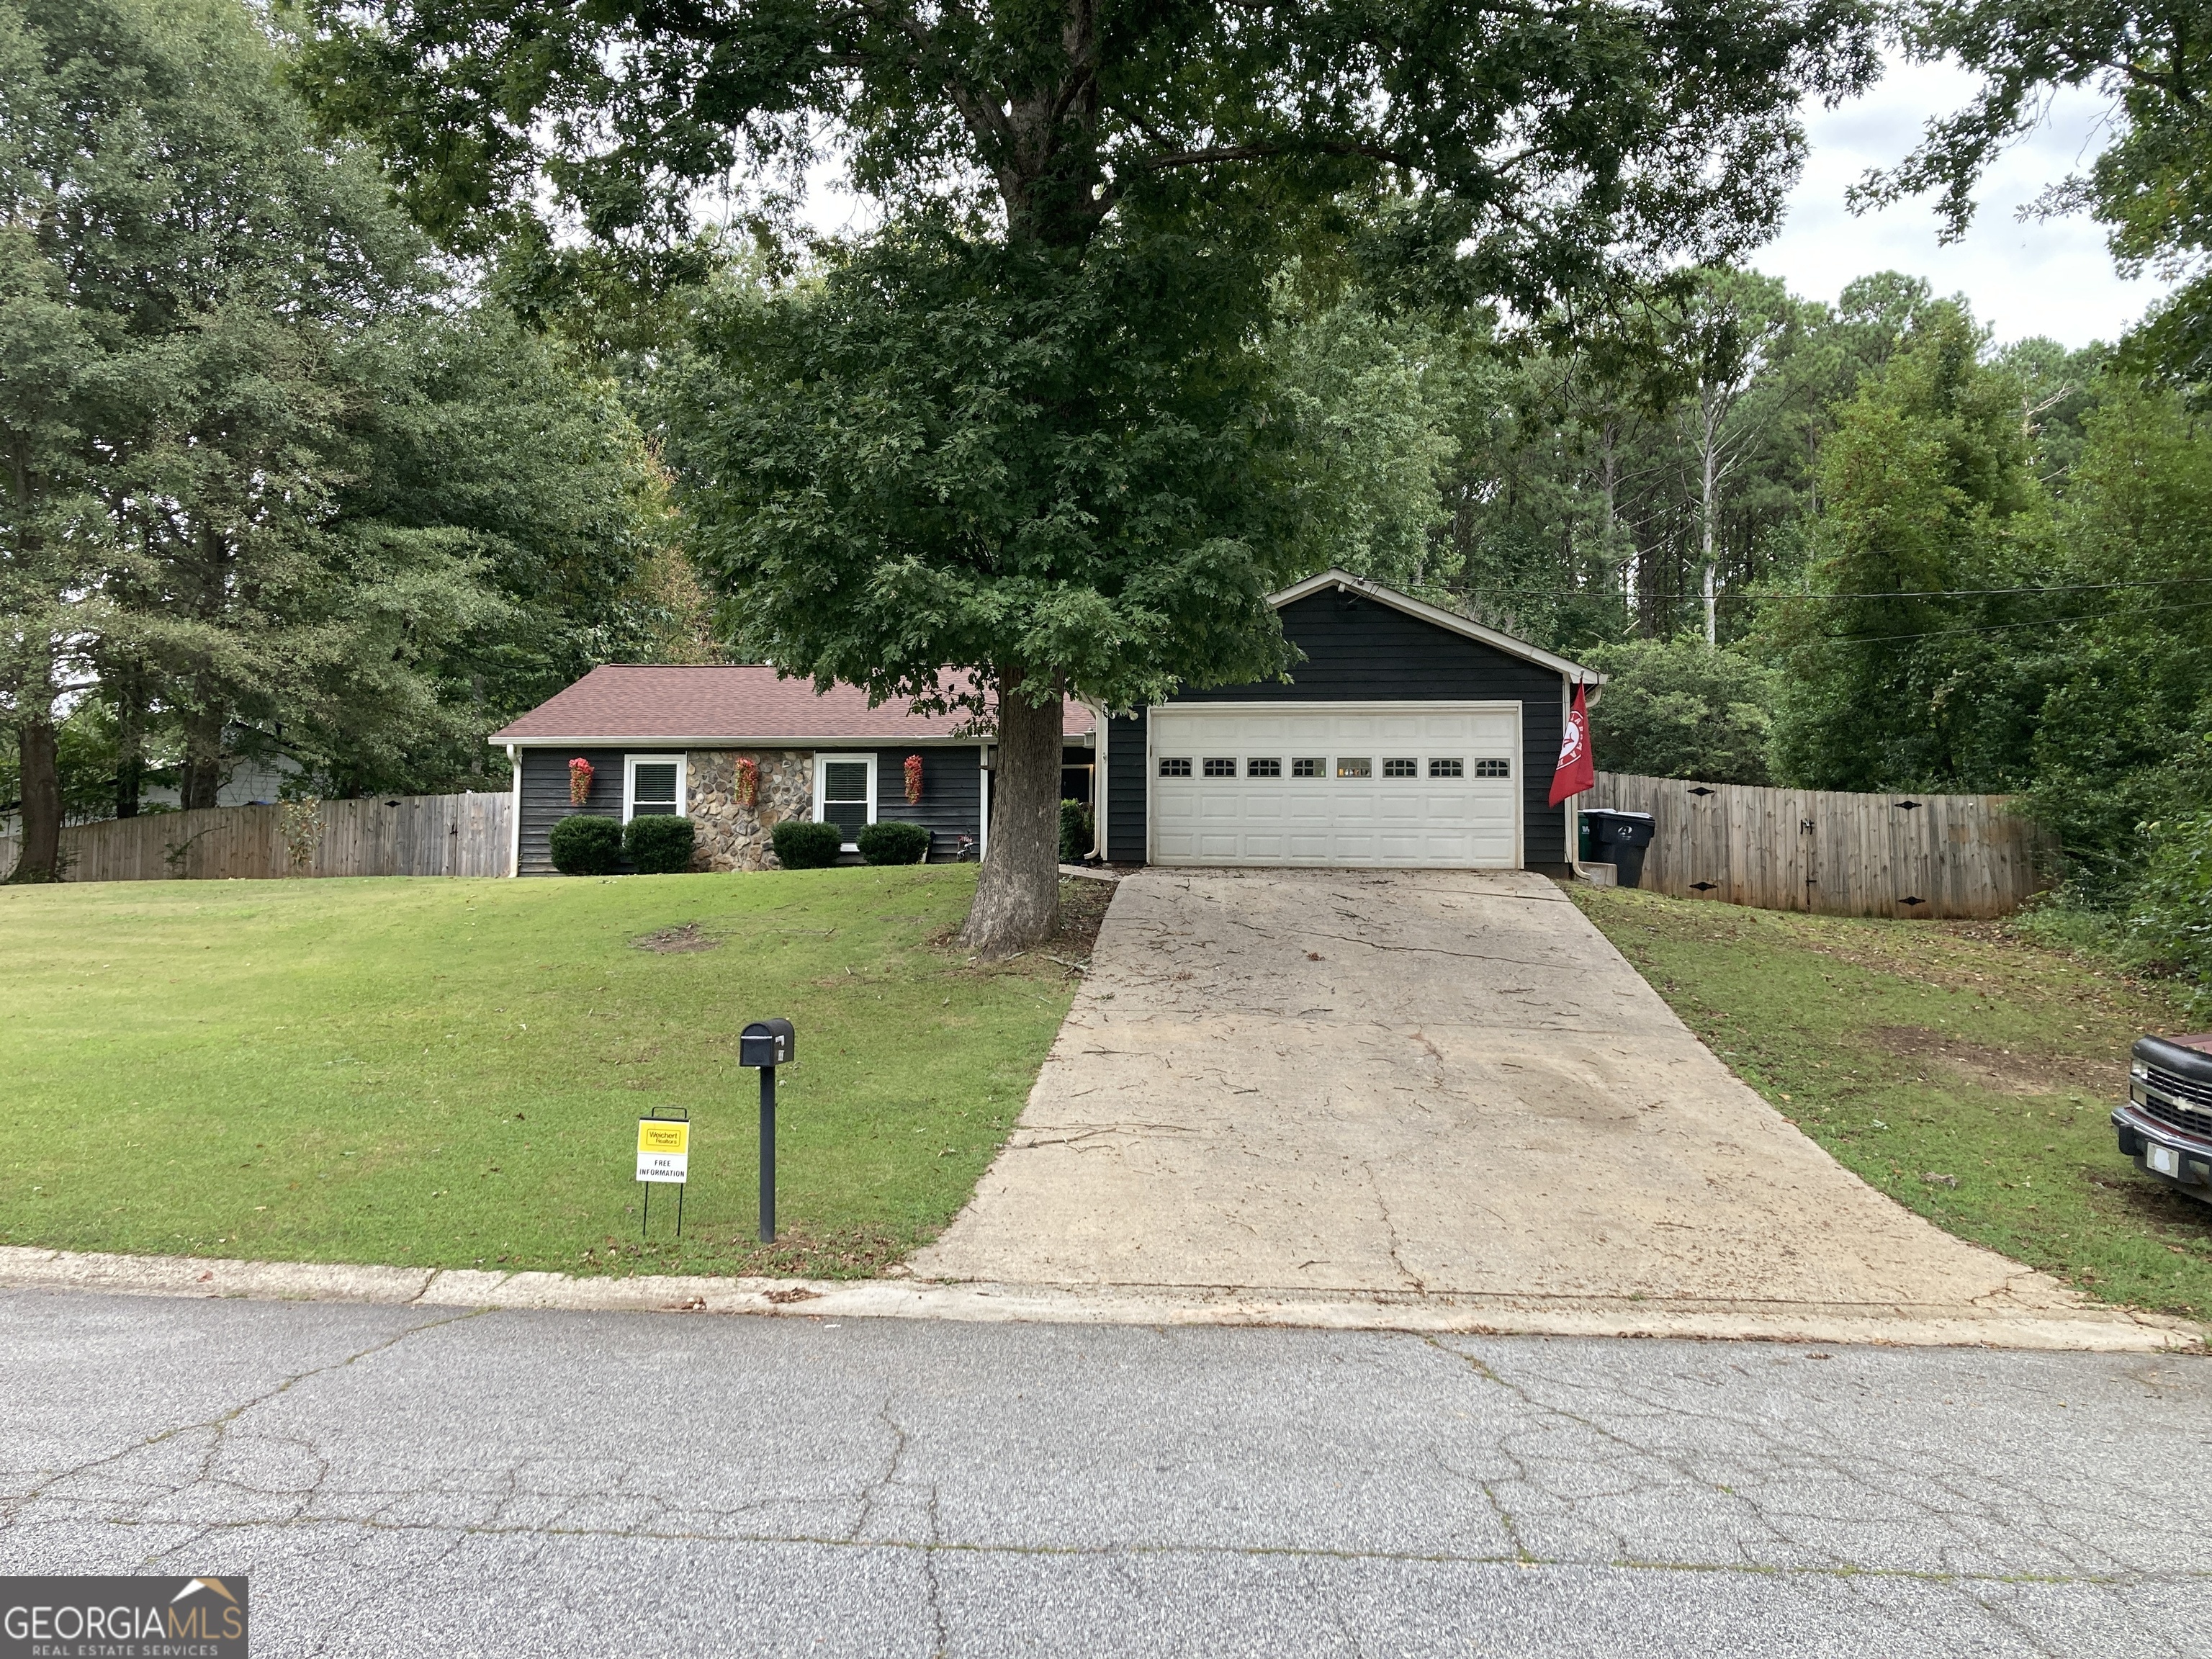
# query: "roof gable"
{"points": [[1435, 616]]}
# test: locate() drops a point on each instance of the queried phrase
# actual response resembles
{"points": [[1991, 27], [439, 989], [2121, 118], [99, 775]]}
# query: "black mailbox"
{"points": [[766, 1043]]}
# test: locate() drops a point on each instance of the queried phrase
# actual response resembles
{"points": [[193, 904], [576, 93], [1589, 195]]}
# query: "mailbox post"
{"points": [[766, 1044]]}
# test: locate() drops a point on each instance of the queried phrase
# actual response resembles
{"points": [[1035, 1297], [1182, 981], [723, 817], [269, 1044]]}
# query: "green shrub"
{"points": [[659, 845], [1074, 832], [800, 846], [585, 844], [893, 841], [1678, 708], [2171, 914]]}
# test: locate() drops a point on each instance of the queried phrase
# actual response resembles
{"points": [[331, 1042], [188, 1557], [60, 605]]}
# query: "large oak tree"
{"points": [[1043, 348]]}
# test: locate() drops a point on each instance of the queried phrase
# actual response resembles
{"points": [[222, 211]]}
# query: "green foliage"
{"points": [[2120, 736], [950, 452], [1373, 401], [1075, 833], [802, 846], [2171, 912], [1582, 130], [659, 845], [89, 753], [273, 473], [893, 840], [586, 844], [1892, 680], [1679, 708]]}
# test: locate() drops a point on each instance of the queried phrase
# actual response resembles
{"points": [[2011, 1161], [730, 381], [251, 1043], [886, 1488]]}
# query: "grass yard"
{"points": [[1962, 1070], [448, 1073]]}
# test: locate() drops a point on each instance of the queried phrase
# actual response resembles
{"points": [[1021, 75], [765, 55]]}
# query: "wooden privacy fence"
{"points": [[1841, 854], [382, 836]]}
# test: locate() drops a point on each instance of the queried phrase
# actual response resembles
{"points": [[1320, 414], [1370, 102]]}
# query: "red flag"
{"points": [[1577, 771]]}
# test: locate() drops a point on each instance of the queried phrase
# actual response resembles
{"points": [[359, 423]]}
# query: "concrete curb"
{"points": [[2096, 1330]]}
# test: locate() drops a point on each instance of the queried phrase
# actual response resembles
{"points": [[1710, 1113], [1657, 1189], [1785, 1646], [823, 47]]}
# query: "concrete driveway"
{"points": [[1444, 1085]]}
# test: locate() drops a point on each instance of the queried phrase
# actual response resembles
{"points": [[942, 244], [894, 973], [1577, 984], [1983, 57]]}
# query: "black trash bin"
{"points": [[1619, 838]]}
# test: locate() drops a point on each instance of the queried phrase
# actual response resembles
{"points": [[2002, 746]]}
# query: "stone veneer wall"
{"points": [[734, 838]]}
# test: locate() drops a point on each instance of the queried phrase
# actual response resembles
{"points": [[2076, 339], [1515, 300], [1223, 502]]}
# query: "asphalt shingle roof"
{"points": [[725, 705]]}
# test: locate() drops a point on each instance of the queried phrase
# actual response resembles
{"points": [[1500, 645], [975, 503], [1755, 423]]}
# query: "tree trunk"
{"points": [[129, 742], [1707, 504], [1018, 898], [42, 840], [203, 769]]}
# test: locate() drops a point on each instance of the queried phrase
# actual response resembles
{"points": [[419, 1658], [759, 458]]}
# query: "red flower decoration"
{"points": [[580, 781], [748, 783], [913, 780]]}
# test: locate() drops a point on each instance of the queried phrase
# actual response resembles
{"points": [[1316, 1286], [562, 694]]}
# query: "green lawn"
{"points": [[449, 1072], [1958, 1067]]}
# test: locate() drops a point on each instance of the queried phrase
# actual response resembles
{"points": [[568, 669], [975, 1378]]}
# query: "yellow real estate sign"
{"points": [[664, 1149]]}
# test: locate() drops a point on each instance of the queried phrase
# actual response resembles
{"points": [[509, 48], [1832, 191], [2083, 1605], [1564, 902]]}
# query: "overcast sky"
{"points": [[2050, 277]]}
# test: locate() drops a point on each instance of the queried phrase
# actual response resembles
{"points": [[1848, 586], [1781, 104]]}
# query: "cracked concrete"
{"points": [[1446, 1086], [396, 1480]]}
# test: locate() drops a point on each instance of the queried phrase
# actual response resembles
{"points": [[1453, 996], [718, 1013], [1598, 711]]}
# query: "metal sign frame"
{"points": [[671, 1115]]}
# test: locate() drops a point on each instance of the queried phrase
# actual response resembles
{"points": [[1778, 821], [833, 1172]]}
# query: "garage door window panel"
{"points": [[1175, 766], [1262, 767], [1355, 766]]}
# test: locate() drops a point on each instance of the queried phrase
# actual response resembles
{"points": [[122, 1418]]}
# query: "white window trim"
{"points": [[514, 815], [629, 782], [822, 760]]}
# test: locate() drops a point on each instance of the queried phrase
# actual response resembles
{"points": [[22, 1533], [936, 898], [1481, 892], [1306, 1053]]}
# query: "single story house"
{"points": [[675, 740], [1407, 735]]}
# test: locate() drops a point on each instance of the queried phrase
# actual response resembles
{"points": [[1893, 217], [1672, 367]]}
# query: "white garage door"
{"points": [[1433, 785]]}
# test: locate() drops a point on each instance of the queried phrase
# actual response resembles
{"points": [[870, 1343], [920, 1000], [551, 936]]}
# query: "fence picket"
{"points": [[1962, 855], [382, 836]]}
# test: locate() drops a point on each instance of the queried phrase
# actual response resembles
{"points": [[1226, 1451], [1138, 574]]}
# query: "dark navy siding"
{"points": [[1358, 650], [546, 797], [1125, 789], [951, 794]]}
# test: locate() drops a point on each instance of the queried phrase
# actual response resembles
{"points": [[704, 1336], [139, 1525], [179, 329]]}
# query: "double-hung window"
{"points": [[845, 793], [653, 785]]}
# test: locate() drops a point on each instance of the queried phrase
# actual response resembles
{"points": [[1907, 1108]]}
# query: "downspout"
{"points": [[1098, 797], [982, 802], [514, 815]]}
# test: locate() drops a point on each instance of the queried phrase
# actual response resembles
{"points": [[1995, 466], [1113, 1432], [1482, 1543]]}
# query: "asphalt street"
{"points": [[413, 1482]]}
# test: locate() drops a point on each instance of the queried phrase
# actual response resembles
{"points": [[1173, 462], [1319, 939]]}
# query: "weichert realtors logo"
{"points": [[122, 1619]]}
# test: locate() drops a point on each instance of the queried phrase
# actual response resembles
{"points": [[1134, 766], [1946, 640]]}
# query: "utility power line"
{"points": [[2001, 628], [1747, 595]]}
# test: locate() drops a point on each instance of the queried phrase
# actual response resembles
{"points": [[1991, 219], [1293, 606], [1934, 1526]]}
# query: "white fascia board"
{"points": [[1443, 618]]}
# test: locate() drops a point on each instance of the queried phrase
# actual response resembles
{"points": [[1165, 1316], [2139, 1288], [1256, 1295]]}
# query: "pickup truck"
{"points": [[2166, 1123]]}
